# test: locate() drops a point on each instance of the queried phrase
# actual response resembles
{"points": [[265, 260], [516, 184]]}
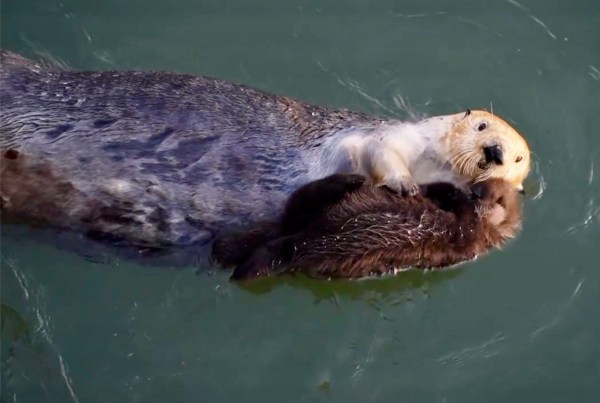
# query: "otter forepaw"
{"points": [[310, 199], [354, 180], [404, 185], [342, 182]]}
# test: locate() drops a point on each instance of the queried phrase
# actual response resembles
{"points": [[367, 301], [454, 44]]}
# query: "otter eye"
{"points": [[519, 159], [482, 126]]}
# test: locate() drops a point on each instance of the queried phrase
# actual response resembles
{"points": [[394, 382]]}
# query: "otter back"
{"points": [[175, 156]]}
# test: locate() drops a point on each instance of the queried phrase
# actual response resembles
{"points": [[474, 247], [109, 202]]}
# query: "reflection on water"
{"points": [[385, 290], [86, 322], [32, 368]]}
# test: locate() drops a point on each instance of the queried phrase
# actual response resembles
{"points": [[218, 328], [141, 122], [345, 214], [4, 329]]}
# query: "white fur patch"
{"points": [[396, 149]]}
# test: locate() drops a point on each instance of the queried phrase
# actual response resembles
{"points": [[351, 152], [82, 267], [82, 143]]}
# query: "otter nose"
{"points": [[493, 153]]}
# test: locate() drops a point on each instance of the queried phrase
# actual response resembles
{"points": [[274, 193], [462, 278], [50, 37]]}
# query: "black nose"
{"points": [[493, 153]]}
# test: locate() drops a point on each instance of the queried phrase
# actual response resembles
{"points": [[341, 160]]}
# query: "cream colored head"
{"points": [[482, 145]]}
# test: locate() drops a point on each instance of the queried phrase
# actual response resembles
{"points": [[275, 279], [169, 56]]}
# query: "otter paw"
{"points": [[353, 180], [404, 185], [347, 182]]}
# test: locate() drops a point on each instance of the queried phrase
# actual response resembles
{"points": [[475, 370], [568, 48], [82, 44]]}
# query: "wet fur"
{"points": [[199, 149], [160, 159], [373, 231]]}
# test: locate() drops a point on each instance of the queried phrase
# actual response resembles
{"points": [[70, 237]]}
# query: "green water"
{"points": [[520, 325]]}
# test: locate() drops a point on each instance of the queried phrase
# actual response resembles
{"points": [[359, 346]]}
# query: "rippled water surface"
{"points": [[518, 325]]}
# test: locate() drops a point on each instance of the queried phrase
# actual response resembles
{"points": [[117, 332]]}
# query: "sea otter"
{"points": [[339, 227], [158, 159]]}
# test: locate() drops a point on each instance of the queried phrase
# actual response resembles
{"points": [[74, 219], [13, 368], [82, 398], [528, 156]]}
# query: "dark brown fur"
{"points": [[363, 231]]}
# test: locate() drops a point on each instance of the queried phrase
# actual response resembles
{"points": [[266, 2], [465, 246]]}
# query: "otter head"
{"points": [[483, 146], [498, 204]]}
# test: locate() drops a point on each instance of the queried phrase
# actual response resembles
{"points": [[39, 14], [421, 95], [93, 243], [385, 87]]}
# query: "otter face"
{"points": [[498, 203], [483, 146]]}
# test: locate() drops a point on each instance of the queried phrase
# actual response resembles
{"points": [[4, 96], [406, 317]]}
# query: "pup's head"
{"points": [[498, 204]]}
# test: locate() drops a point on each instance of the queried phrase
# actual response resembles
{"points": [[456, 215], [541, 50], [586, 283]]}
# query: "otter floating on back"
{"points": [[336, 227], [158, 159]]}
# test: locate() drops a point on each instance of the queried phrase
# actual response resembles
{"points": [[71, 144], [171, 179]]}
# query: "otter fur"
{"points": [[337, 227], [159, 159]]}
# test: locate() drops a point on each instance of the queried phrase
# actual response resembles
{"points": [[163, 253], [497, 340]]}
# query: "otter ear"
{"points": [[480, 190]]}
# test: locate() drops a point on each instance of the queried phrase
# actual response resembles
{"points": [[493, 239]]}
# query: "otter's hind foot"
{"points": [[268, 260], [235, 248], [260, 264]]}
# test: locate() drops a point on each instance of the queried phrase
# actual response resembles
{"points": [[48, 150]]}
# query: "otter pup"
{"points": [[339, 227]]}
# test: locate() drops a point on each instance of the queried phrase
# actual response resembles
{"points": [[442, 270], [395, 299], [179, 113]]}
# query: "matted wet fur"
{"points": [[162, 159], [338, 227]]}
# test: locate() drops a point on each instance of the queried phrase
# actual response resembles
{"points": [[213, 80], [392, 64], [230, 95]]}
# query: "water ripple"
{"points": [[35, 296], [591, 213], [478, 25], [560, 311], [399, 102], [592, 208], [533, 18], [486, 349], [594, 72]]}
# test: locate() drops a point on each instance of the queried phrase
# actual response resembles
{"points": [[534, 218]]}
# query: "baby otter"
{"points": [[340, 227]]}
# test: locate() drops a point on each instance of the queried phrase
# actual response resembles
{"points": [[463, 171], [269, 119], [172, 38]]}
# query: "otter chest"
{"points": [[428, 170]]}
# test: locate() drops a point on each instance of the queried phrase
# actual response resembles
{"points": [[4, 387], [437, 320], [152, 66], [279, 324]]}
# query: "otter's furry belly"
{"points": [[151, 158]]}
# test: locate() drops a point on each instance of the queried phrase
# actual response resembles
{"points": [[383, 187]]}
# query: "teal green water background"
{"points": [[520, 325]]}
